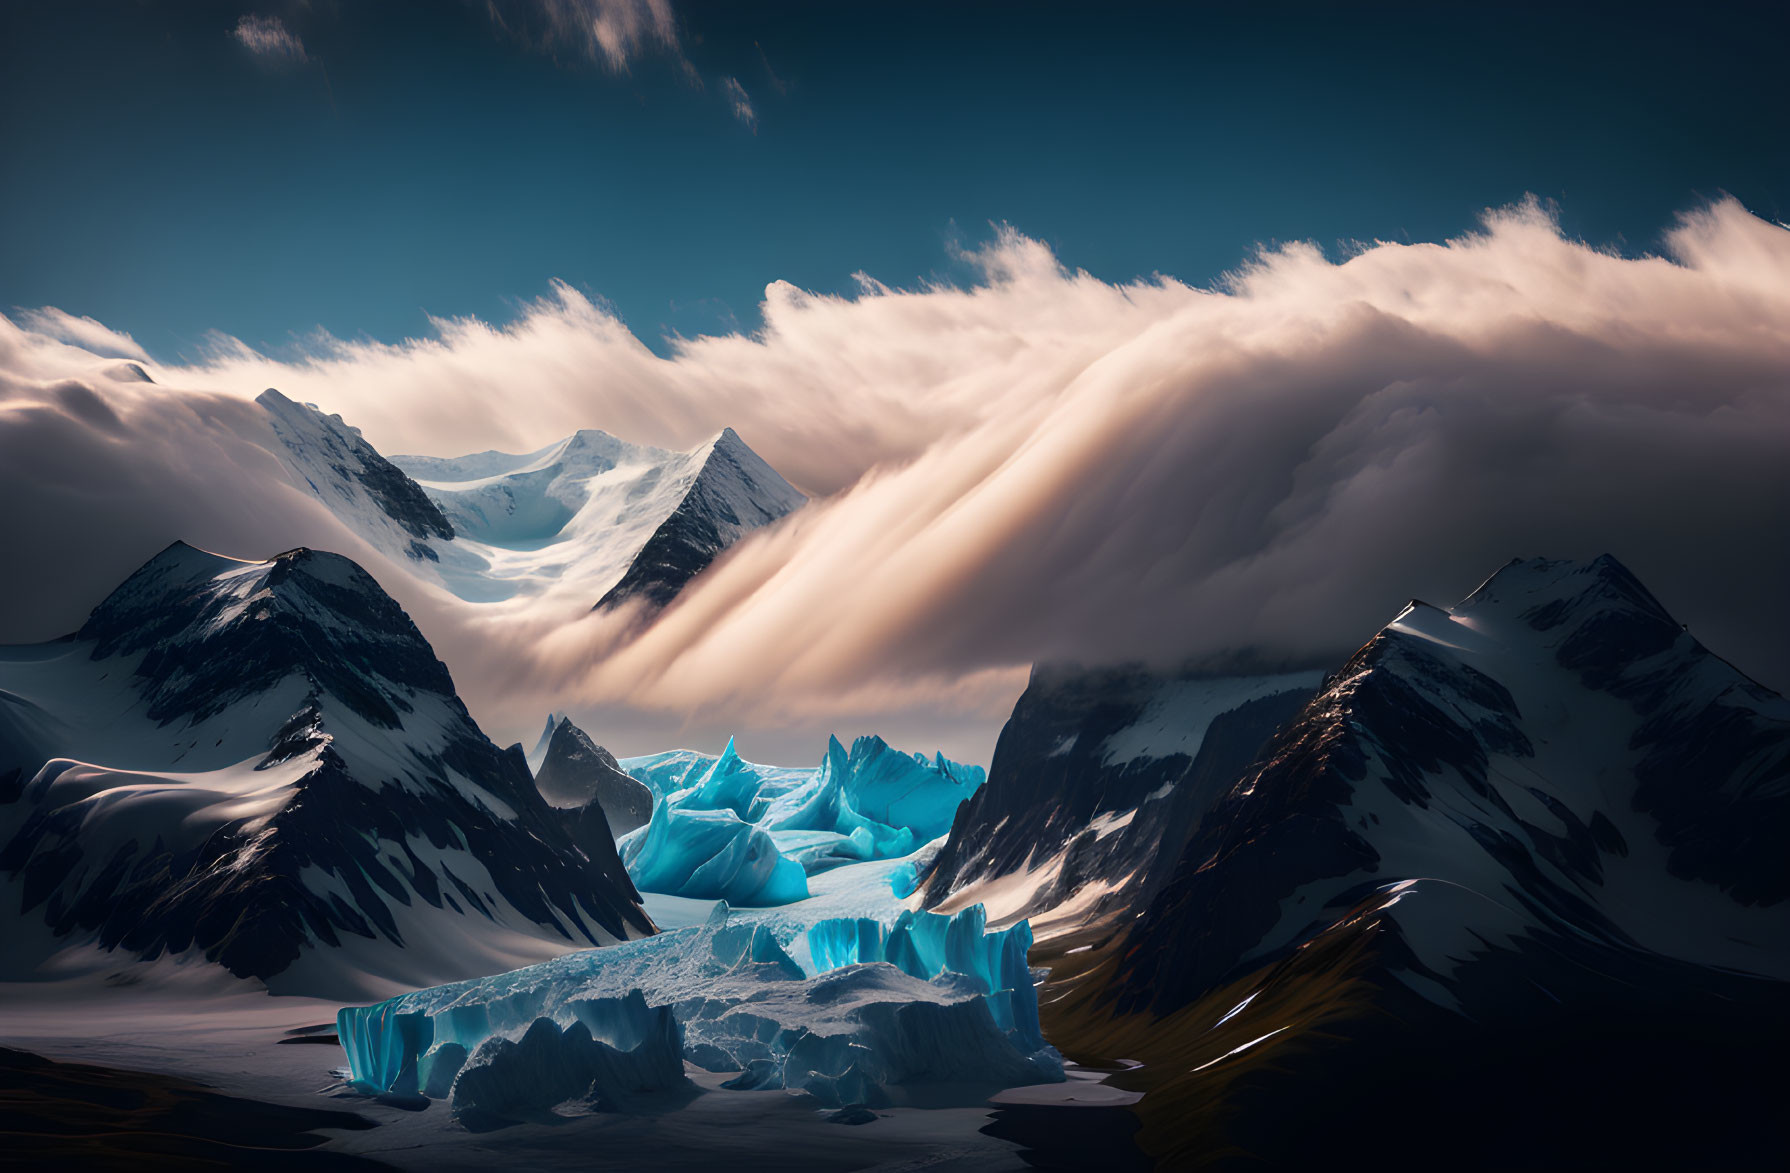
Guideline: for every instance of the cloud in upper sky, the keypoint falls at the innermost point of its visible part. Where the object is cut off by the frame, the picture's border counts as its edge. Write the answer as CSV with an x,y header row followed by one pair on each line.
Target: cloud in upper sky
x,y
739,101
613,33
1041,465
268,38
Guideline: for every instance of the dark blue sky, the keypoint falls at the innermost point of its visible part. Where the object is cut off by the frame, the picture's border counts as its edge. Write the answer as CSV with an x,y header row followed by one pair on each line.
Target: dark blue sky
x,y
161,178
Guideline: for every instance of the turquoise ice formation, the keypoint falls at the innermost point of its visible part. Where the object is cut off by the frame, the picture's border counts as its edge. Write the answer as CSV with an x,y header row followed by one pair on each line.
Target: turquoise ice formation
x,y
726,829
711,855
881,1010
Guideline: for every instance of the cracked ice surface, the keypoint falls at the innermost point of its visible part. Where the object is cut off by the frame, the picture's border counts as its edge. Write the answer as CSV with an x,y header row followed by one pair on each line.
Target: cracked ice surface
x,y
879,1010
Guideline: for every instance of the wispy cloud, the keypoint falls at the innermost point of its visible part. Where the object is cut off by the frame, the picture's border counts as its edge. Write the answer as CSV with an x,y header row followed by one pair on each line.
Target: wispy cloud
x,y
81,332
739,101
613,33
1040,465
268,38
777,83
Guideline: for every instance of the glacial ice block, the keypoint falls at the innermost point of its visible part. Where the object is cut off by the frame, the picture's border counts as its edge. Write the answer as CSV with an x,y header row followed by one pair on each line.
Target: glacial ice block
x,y
718,831
614,1051
925,944
730,785
882,1010
901,790
900,800
711,855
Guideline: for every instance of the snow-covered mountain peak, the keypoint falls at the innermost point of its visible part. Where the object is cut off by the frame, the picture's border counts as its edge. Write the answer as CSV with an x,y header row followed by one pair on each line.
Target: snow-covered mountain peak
x,y
728,442
265,761
212,631
596,445
1537,616
170,578
1555,743
307,415
730,491
535,498
178,565
759,487
1559,595
598,515
362,488
585,453
590,517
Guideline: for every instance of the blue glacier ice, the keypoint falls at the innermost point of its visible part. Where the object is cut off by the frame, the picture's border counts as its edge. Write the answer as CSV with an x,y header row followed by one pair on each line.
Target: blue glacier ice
x,y
904,878
885,791
925,944
724,828
730,784
613,1053
879,1011
676,770
711,855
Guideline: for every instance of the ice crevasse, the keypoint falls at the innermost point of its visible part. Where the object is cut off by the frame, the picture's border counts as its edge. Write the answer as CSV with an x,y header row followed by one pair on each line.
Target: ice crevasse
x,y
752,835
928,1000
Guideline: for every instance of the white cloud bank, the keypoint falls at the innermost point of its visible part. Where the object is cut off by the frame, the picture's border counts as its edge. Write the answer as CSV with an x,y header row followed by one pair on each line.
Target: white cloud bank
x,y
1044,465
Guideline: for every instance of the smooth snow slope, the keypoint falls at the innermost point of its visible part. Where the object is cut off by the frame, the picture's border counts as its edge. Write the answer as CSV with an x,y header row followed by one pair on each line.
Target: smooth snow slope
x,y
263,763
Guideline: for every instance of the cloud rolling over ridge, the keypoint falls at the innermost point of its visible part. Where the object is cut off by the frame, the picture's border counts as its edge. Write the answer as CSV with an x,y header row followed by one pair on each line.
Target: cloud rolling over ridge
x,y
1040,466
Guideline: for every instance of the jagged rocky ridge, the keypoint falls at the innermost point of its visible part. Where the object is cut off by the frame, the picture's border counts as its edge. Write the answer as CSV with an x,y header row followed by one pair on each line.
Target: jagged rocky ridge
x,y
580,779
1097,779
1517,868
1556,744
263,763
359,485
734,492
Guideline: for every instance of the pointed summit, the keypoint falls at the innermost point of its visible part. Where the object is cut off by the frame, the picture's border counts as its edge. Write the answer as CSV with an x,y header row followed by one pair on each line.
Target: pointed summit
x,y
366,491
625,522
260,762
1545,592
734,492
538,754
579,776
730,784
633,523
213,630
1596,615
